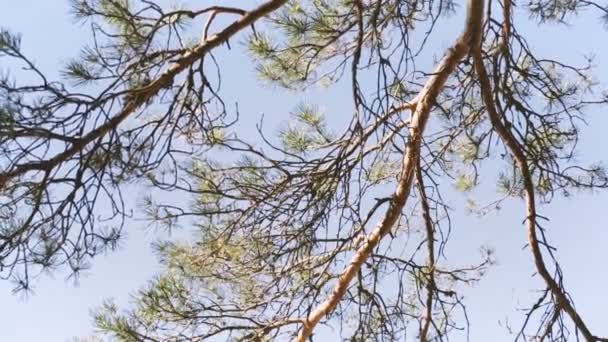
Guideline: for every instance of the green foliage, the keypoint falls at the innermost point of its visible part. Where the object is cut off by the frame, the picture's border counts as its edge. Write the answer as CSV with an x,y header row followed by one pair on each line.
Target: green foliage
x,y
556,10
118,15
311,34
308,134
297,140
10,43
383,171
464,182
276,221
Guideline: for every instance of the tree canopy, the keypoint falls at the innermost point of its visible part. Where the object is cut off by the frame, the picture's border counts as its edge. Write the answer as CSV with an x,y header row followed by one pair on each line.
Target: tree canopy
x,y
343,226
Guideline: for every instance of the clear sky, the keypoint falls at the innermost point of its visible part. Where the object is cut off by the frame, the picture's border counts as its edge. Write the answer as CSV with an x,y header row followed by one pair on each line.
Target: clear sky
x,y
59,310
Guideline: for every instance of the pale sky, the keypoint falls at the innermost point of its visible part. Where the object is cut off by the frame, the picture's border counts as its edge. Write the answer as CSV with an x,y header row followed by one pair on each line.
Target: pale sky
x,y
59,310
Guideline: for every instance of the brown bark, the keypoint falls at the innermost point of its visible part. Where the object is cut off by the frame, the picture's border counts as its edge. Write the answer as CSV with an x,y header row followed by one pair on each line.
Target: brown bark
x,y
146,93
430,244
563,302
425,101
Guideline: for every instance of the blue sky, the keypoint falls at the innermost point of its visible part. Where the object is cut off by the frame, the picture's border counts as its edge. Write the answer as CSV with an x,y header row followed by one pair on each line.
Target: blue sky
x,y
58,309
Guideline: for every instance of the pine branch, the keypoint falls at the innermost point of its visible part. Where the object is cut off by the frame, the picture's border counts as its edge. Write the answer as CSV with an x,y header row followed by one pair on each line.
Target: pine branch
x,y
427,98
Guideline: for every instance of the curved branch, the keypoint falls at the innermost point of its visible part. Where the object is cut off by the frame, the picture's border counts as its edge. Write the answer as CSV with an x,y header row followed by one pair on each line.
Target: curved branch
x,y
146,93
427,98
563,302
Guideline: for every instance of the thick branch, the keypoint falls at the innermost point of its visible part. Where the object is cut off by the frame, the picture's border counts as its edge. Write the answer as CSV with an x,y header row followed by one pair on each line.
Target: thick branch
x,y
426,100
148,92
563,303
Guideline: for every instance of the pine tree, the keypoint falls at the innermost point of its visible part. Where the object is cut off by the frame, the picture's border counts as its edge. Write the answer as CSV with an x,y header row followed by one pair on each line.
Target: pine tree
x,y
315,225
